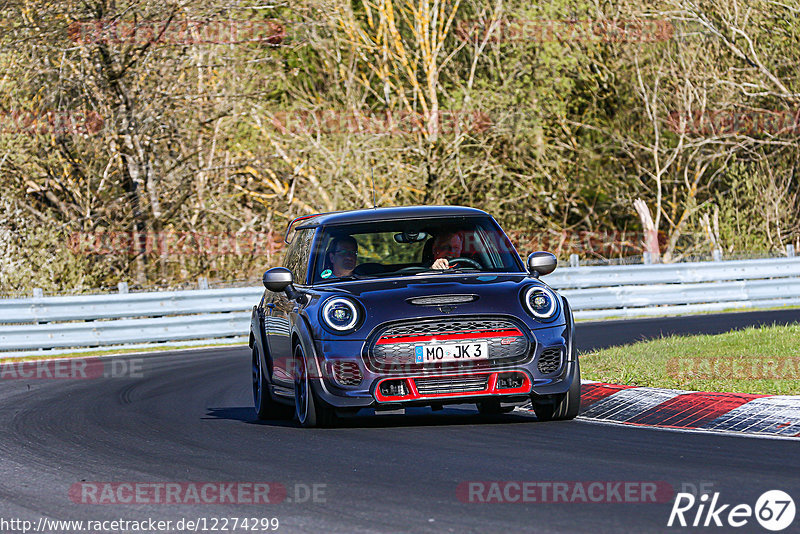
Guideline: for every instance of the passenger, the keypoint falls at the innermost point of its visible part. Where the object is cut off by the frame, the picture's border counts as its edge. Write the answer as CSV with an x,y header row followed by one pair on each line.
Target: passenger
x,y
342,256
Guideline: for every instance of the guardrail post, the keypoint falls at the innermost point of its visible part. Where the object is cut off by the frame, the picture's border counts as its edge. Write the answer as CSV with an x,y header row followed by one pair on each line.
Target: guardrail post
x,y
202,282
717,254
647,258
790,251
38,293
122,287
574,260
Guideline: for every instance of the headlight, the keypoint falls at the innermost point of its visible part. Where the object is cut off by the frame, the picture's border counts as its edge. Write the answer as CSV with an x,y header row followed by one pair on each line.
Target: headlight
x,y
340,314
541,302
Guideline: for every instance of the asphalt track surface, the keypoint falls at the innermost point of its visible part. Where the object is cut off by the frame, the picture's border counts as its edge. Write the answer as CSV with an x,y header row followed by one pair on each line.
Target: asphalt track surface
x,y
189,418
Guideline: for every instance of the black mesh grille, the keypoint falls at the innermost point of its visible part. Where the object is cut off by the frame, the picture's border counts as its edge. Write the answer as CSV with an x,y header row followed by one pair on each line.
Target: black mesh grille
x,y
347,373
446,326
398,356
550,360
451,384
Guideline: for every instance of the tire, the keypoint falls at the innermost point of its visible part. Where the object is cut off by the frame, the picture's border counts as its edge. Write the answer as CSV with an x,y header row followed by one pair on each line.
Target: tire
x,y
266,407
309,410
493,407
565,406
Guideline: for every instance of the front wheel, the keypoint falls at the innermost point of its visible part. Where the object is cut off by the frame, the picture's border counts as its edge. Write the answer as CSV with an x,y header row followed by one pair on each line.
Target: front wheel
x,y
564,406
309,410
266,407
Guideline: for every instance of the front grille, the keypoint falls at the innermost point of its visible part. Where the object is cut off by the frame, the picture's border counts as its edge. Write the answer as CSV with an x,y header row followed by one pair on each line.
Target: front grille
x,y
443,326
451,384
347,373
550,360
392,348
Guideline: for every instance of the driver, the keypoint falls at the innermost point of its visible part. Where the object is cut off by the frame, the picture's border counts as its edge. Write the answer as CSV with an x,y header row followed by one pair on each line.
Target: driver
x,y
446,245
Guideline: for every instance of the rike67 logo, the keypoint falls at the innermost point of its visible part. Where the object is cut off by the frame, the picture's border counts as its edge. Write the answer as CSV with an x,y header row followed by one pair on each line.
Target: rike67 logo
x,y
774,510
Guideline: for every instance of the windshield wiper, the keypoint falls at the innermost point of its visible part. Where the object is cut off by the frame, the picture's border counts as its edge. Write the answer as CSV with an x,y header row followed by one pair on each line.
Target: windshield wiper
x,y
447,271
346,278
424,271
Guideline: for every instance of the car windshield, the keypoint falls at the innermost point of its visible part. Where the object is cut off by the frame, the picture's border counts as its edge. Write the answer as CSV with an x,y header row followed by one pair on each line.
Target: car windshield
x,y
411,247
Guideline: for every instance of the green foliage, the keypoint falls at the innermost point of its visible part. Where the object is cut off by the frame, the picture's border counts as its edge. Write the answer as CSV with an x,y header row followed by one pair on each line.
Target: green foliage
x,y
565,119
762,360
750,208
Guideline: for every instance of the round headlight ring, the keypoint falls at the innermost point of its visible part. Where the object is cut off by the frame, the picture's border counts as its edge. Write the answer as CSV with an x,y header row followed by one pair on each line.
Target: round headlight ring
x,y
335,314
536,293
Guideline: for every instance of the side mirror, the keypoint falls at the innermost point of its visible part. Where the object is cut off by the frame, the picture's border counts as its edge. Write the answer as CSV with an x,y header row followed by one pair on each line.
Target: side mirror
x,y
280,279
277,279
541,263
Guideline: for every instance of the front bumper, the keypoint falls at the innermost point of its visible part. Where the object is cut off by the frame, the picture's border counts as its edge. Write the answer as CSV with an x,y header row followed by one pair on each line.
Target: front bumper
x,y
456,386
367,392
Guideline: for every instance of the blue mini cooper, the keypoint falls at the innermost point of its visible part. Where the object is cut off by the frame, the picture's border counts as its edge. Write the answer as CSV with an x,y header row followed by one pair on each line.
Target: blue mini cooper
x,y
414,306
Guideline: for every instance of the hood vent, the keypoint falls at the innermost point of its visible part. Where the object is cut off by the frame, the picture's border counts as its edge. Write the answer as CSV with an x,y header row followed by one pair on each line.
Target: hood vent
x,y
440,300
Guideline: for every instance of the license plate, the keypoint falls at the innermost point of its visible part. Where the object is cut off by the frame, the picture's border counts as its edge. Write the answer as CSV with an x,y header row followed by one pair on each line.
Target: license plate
x,y
450,352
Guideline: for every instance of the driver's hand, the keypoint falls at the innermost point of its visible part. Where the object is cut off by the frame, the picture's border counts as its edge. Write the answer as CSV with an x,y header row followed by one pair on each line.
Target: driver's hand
x,y
441,263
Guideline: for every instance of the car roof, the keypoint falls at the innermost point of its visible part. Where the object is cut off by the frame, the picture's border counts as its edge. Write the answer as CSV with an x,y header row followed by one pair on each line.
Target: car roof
x,y
383,214
390,214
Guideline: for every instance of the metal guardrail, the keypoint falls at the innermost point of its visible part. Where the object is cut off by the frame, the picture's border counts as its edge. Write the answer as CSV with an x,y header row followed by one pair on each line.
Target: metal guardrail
x,y
594,293
124,331
674,289
116,306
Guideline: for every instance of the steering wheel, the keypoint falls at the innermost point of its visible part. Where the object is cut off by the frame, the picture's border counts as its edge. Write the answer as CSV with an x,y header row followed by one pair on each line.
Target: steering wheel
x,y
411,269
468,261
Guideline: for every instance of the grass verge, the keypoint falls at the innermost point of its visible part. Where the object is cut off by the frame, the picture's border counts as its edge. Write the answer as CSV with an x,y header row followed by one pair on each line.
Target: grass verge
x,y
763,360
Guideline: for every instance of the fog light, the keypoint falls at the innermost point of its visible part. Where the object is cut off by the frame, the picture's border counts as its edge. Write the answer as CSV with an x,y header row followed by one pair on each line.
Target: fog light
x,y
394,388
509,381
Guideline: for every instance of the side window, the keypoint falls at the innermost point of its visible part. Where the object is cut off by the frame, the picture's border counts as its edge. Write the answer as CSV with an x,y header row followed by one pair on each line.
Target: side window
x,y
297,254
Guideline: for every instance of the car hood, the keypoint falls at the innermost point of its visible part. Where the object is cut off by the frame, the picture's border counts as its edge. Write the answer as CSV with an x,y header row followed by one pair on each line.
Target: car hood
x,y
424,283
392,299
